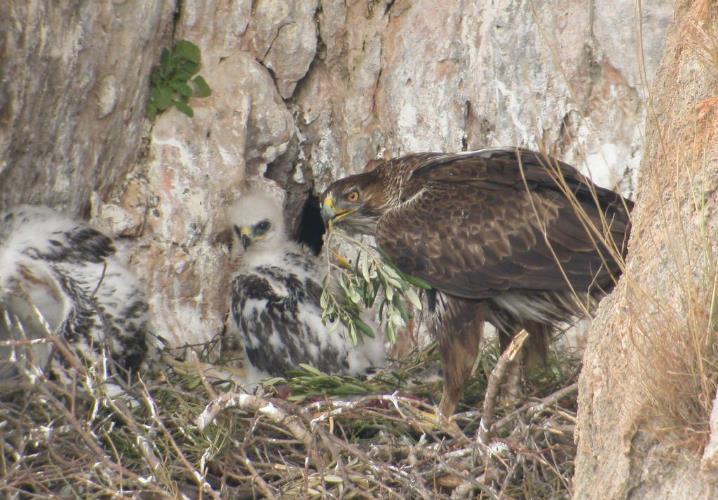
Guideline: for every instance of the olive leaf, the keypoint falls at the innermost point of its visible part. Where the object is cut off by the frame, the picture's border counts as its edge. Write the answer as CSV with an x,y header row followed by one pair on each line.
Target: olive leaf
x,y
370,280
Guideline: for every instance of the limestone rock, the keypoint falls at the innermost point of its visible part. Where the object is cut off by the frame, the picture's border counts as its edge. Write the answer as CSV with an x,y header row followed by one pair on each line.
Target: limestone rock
x,y
285,39
648,383
217,26
73,88
399,77
194,169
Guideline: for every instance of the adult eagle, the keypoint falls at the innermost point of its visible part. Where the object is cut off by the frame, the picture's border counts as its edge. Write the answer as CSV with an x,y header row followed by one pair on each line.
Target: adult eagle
x,y
508,236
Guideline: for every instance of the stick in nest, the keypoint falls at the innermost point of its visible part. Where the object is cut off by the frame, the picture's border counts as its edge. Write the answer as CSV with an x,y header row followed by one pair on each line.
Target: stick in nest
x,y
251,403
496,378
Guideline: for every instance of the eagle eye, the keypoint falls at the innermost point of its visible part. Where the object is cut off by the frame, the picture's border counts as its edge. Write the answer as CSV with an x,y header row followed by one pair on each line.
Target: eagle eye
x,y
352,196
262,227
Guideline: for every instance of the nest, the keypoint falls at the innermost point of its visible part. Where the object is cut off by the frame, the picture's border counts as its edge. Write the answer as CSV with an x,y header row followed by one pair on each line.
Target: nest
x,y
188,431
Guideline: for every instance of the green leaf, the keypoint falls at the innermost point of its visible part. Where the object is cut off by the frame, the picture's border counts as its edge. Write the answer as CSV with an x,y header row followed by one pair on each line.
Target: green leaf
x,y
165,59
396,319
151,111
184,108
389,292
193,383
363,261
188,50
391,273
391,332
201,87
364,328
391,279
369,295
155,77
182,88
162,97
399,305
185,70
418,282
273,381
354,294
311,369
413,298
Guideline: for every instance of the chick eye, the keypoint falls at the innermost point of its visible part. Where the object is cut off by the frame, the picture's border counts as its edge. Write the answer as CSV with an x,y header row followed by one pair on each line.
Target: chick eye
x,y
353,196
262,227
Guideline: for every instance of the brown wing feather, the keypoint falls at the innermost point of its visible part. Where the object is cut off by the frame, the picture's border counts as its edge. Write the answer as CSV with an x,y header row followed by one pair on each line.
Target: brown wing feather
x,y
468,226
511,167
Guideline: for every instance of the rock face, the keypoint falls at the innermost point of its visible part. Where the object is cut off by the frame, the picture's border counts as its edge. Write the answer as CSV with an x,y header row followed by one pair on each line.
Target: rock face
x,y
303,92
464,75
647,391
73,86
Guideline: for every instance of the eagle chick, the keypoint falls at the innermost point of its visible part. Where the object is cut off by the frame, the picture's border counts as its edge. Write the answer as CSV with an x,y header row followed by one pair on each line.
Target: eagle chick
x,y
274,301
60,276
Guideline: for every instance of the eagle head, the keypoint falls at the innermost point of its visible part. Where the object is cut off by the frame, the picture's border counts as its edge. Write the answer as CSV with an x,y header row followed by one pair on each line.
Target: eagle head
x,y
355,203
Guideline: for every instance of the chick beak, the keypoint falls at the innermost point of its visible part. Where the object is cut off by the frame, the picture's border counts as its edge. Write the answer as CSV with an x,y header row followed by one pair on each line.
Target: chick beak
x,y
245,237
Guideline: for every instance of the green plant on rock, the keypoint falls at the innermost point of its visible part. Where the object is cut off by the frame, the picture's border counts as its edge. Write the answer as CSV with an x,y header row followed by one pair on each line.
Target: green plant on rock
x,y
173,81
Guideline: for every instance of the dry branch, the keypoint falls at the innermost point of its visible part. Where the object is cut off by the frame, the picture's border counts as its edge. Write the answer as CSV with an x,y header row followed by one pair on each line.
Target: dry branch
x,y
256,404
495,380
176,434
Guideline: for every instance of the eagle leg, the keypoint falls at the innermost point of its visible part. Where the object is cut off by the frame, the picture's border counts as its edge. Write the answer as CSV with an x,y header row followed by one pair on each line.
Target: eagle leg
x,y
459,339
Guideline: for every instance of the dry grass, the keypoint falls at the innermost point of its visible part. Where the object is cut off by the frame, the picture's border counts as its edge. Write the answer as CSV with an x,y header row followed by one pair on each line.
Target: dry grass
x,y
676,334
675,324
179,432
669,311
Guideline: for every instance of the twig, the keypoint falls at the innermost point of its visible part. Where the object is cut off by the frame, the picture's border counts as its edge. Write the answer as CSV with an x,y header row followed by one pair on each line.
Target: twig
x,y
24,342
198,366
551,399
495,379
85,435
391,471
248,402
206,371
535,407
256,478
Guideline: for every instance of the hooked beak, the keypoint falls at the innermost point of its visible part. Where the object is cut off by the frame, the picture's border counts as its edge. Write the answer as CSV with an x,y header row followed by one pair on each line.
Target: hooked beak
x,y
328,209
330,214
245,237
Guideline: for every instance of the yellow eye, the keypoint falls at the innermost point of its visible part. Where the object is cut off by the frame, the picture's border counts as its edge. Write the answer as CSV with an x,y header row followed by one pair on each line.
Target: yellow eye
x,y
353,196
